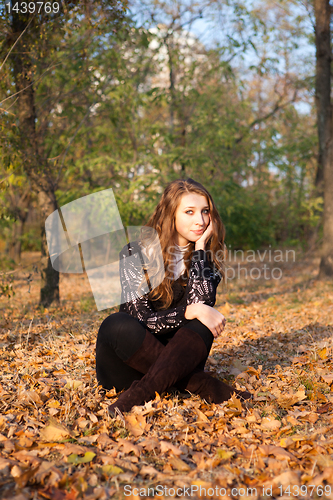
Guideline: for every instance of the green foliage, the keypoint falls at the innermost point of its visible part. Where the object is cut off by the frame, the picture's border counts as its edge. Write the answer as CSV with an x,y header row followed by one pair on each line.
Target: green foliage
x,y
247,217
6,284
88,304
31,240
6,263
108,116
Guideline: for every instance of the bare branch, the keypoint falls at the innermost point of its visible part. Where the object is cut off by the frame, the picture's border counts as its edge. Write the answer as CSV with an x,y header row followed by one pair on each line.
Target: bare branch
x,y
16,42
30,84
276,108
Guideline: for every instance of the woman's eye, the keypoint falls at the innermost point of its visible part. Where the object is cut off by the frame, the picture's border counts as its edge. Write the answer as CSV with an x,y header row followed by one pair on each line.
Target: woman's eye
x,y
206,211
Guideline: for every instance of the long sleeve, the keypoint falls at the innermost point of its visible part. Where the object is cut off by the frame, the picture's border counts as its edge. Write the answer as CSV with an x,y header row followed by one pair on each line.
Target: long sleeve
x,y
203,280
135,300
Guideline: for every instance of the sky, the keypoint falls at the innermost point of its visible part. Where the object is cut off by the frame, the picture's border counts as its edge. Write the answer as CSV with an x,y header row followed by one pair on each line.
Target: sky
x,y
218,29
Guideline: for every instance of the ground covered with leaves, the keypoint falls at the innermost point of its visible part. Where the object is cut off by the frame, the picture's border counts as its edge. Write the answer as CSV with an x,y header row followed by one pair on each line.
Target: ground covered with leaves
x,y
57,440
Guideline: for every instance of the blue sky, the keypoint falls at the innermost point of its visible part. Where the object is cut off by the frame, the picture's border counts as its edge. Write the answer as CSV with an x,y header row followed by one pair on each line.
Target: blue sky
x,y
217,29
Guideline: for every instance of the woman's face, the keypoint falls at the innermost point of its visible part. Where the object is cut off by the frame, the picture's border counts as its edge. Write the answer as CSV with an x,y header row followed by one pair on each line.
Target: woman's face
x,y
191,218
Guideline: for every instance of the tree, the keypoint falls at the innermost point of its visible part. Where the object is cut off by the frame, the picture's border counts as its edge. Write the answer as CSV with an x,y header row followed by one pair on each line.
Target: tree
x,y
34,42
322,11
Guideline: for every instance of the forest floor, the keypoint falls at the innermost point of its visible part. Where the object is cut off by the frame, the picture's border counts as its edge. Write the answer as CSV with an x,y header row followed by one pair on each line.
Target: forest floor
x,y
58,442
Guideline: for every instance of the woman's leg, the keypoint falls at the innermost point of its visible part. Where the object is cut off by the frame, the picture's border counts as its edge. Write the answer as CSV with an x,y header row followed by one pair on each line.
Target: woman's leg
x,y
152,347
126,350
184,352
205,334
202,383
119,338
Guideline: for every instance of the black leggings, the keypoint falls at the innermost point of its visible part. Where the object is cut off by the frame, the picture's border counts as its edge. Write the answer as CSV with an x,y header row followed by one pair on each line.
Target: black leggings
x,y
119,337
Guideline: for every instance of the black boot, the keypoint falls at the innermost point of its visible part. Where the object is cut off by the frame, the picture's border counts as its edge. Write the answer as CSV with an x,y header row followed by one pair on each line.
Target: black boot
x,y
178,358
209,388
147,354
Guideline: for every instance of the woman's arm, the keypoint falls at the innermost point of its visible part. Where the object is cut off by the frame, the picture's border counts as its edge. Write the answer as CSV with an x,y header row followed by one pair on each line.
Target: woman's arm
x,y
208,316
203,280
137,304
201,288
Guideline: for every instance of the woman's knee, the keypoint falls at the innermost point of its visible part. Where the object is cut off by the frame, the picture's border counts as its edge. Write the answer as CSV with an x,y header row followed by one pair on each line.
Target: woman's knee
x,y
202,330
196,325
114,324
122,332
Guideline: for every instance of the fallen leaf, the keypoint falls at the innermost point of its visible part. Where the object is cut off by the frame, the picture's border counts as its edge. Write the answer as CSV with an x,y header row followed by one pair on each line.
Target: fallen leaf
x,y
136,424
30,397
322,353
288,478
73,384
201,416
290,399
148,470
224,454
324,408
53,403
23,478
49,471
324,461
54,432
129,447
237,367
111,470
150,444
166,446
270,424
75,459
178,464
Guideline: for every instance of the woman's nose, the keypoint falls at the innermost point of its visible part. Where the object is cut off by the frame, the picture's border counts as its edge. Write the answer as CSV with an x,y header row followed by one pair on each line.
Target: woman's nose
x,y
200,220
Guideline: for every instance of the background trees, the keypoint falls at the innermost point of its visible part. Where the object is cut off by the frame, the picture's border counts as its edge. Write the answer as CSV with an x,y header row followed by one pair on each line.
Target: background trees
x,y
48,68
222,93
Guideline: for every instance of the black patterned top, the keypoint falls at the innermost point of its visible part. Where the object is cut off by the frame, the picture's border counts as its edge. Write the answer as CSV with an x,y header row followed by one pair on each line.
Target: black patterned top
x,y
200,288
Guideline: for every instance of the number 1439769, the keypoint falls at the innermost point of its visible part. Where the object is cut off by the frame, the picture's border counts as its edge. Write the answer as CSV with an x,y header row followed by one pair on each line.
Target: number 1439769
x,y
32,7
308,490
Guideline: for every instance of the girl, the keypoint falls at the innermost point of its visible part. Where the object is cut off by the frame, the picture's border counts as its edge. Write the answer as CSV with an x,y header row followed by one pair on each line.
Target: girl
x,y
162,339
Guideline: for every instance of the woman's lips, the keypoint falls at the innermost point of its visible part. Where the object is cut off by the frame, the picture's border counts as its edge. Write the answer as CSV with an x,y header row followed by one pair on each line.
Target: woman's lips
x,y
198,232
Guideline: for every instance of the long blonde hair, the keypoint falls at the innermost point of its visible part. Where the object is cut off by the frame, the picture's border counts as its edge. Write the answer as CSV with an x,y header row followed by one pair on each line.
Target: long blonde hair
x,y
163,222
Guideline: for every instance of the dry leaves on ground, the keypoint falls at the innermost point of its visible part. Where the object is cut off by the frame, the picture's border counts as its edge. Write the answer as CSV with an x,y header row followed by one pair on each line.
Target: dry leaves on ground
x,y
57,440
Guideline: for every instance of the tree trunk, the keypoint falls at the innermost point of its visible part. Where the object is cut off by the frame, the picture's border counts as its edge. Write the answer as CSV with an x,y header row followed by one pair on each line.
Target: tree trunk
x,y
34,165
11,243
16,242
20,205
326,263
324,118
323,85
50,278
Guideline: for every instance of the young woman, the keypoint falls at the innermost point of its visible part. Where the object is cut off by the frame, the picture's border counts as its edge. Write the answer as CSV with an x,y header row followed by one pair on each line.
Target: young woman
x,y
162,338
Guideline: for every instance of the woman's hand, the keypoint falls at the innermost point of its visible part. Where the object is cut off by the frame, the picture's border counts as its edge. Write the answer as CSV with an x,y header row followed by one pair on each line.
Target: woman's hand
x,y
201,242
208,316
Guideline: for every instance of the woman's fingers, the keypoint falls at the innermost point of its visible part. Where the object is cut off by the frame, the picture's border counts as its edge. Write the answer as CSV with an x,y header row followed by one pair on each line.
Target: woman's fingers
x,y
215,321
219,328
216,332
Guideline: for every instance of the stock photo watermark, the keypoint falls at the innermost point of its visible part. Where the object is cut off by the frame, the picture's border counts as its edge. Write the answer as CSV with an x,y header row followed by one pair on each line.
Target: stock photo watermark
x,y
239,263
87,235
206,492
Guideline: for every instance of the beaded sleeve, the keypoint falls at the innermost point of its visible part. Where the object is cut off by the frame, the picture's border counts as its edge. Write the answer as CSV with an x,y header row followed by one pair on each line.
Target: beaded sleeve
x,y
203,280
201,287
